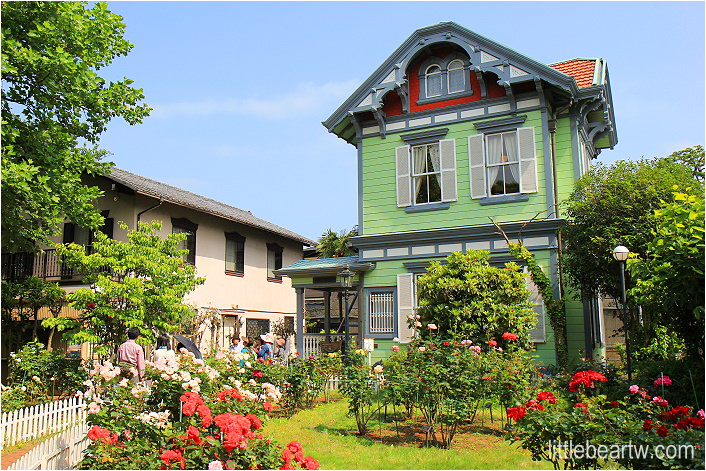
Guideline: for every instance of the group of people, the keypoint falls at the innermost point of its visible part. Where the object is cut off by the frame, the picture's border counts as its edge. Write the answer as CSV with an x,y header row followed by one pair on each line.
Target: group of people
x,y
262,346
131,355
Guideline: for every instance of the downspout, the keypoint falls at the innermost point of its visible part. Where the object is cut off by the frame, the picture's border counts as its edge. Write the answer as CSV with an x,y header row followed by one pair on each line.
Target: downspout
x,y
149,209
551,124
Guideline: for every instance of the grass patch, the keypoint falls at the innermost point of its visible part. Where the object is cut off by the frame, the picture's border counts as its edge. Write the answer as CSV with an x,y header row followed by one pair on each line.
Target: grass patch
x,y
330,436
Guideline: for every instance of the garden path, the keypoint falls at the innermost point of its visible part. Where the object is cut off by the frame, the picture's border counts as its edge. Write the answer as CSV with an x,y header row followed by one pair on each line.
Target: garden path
x,y
9,458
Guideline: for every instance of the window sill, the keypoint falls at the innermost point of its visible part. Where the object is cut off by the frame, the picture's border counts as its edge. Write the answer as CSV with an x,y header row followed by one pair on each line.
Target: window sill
x,y
274,280
504,199
447,97
234,273
426,207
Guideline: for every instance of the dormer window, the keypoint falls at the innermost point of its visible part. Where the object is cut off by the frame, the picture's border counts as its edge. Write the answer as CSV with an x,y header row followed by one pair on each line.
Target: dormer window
x,y
434,79
444,79
457,76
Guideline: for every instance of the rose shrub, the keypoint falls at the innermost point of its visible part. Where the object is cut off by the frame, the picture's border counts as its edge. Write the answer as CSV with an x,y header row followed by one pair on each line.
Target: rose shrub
x,y
187,415
581,415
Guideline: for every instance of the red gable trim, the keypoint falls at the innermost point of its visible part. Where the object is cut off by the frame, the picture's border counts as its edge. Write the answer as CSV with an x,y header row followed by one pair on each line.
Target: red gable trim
x,y
580,69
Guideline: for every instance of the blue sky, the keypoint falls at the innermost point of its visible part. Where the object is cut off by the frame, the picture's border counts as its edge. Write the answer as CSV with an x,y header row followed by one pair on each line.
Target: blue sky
x,y
239,89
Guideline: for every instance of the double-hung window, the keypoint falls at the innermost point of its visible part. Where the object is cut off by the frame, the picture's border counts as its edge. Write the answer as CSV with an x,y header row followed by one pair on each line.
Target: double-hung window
x,y
503,162
184,226
502,165
457,76
274,261
235,253
426,170
426,173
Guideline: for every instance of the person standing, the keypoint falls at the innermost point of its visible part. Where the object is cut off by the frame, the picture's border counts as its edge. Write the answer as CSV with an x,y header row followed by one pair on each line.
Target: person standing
x,y
163,347
131,354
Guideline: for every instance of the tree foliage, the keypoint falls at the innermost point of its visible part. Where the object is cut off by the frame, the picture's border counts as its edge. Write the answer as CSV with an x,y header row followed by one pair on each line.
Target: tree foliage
x,y
614,205
467,298
669,275
138,283
54,108
333,244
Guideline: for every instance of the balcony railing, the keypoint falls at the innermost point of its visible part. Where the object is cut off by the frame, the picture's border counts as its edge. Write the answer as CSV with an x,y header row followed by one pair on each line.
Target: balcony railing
x,y
45,265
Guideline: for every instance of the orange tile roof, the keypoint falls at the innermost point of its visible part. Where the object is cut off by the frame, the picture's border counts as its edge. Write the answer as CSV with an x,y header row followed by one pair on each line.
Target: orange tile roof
x,y
580,69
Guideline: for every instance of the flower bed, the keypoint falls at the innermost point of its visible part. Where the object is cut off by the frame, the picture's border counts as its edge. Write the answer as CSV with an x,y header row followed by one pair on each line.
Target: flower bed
x,y
187,415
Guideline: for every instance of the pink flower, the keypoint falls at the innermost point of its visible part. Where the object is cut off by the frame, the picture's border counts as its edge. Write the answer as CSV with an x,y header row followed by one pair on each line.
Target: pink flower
x,y
634,388
432,326
660,401
215,465
396,339
93,408
663,380
422,349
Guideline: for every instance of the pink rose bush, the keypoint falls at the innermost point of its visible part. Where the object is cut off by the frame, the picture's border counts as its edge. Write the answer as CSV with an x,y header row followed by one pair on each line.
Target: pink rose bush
x,y
188,414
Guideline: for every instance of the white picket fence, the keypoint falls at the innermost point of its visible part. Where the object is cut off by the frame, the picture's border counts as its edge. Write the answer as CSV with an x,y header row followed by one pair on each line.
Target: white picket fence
x,y
32,422
61,451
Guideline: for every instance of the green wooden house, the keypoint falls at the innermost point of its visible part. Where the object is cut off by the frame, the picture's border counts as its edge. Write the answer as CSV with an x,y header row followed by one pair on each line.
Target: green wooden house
x,y
451,130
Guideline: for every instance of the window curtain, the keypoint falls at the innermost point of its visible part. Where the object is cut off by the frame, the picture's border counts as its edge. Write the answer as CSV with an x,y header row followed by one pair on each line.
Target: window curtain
x,y
494,157
433,81
457,82
510,147
419,167
433,165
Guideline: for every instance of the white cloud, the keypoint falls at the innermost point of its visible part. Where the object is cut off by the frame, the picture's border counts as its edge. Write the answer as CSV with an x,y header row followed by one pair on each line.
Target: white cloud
x,y
305,99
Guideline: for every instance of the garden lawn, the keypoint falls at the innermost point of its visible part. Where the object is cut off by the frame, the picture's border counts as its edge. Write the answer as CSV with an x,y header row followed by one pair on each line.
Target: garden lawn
x,y
328,435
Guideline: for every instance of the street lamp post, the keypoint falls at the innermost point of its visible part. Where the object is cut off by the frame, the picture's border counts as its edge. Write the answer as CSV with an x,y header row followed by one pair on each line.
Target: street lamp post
x,y
621,253
346,282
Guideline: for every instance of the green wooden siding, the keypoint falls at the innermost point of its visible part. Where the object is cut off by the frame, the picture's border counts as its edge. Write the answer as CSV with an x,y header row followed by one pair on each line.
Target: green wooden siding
x,y
380,211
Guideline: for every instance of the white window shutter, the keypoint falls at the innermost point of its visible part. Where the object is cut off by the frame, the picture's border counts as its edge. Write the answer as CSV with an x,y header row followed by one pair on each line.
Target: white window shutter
x,y
405,305
528,160
447,152
476,156
538,334
403,171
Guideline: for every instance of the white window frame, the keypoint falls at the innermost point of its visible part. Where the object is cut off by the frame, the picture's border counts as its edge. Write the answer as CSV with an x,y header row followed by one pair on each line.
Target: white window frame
x,y
452,69
426,181
503,164
436,76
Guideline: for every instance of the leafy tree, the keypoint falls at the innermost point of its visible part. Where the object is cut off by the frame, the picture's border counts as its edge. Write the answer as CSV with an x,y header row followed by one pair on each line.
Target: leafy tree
x,y
693,158
138,283
669,275
467,298
614,205
54,107
332,244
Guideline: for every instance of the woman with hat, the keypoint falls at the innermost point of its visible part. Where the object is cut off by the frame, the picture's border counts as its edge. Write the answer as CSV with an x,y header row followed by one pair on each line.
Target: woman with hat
x,y
265,351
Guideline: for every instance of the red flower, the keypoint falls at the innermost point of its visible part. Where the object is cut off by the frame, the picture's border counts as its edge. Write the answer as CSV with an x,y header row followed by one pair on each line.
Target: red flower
x,y
647,425
311,463
487,377
614,403
532,404
395,348
582,404
493,343
287,456
662,431
546,396
90,305
230,392
294,446
516,413
268,407
586,378
257,373
254,421
170,455
509,336
103,435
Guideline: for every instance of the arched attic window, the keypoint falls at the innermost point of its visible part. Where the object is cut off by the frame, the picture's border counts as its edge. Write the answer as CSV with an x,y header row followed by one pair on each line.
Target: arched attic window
x,y
433,81
447,78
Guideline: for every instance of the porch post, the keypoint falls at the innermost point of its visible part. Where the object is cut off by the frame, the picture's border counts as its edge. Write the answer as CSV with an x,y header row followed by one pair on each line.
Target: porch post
x,y
300,320
327,314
